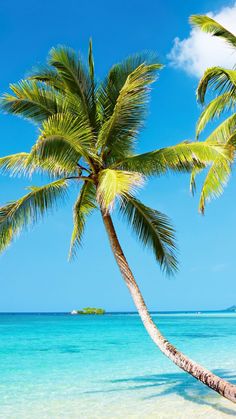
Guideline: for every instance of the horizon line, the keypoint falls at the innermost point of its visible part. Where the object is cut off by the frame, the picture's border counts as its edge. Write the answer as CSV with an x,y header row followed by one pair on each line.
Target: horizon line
x,y
117,312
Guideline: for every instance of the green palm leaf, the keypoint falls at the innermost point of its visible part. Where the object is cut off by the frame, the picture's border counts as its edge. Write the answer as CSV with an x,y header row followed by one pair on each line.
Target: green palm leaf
x,y
209,25
194,173
223,81
47,75
224,131
16,164
216,178
153,229
64,140
73,73
94,119
119,131
182,157
32,100
84,205
25,164
115,184
57,150
75,131
217,175
110,88
217,78
91,61
28,209
214,109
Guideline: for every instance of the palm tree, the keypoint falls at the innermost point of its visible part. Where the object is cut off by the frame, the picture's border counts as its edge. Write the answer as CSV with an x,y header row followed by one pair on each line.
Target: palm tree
x,y
87,134
223,82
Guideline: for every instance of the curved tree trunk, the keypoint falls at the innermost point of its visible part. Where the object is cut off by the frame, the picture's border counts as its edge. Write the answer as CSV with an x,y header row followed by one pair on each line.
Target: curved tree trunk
x,y
216,383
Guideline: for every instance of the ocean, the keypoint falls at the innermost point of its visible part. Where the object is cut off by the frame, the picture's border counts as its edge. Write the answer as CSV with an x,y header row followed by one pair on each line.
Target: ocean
x,y
62,366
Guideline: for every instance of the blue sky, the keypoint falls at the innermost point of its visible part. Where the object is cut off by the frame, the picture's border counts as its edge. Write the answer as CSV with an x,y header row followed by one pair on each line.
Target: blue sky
x,y
34,272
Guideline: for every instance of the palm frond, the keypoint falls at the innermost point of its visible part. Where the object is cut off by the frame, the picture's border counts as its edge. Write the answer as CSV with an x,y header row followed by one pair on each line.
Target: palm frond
x,y
115,184
110,88
32,100
182,157
47,75
224,82
153,229
215,181
28,209
26,164
91,61
94,118
194,173
73,73
77,78
58,151
16,164
214,109
119,131
74,130
218,173
84,205
64,140
209,25
54,156
223,132
217,78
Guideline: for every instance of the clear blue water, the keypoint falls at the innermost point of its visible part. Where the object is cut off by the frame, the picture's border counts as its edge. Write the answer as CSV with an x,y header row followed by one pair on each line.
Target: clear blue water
x,y
62,366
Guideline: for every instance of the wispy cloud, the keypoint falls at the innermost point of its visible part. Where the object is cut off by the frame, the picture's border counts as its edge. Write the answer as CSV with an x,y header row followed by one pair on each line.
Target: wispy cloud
x,y
218,267
200,50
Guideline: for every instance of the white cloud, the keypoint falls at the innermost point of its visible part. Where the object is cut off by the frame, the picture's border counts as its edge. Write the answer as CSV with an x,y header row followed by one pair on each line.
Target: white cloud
x,y
200,50
219,267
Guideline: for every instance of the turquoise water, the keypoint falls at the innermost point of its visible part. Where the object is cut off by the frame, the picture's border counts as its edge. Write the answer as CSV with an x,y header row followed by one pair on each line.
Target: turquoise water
x,y
62,366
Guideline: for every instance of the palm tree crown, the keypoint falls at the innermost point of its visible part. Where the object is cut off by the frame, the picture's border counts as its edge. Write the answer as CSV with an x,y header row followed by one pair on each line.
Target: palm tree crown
x,y
223,82
87,136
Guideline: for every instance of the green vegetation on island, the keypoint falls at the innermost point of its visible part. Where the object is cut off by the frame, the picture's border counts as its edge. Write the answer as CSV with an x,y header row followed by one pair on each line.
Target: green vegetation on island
x,y
89,310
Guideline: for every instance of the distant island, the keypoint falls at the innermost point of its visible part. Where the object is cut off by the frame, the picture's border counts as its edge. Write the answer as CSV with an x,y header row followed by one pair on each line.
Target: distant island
x,y
231,309
89,310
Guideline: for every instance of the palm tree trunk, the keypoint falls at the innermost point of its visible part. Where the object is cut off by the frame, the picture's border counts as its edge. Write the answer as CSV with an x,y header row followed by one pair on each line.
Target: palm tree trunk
x,y
216,383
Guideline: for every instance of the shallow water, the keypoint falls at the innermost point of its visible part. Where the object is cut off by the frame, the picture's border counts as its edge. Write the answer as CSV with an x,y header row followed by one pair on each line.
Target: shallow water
x,y
62,366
